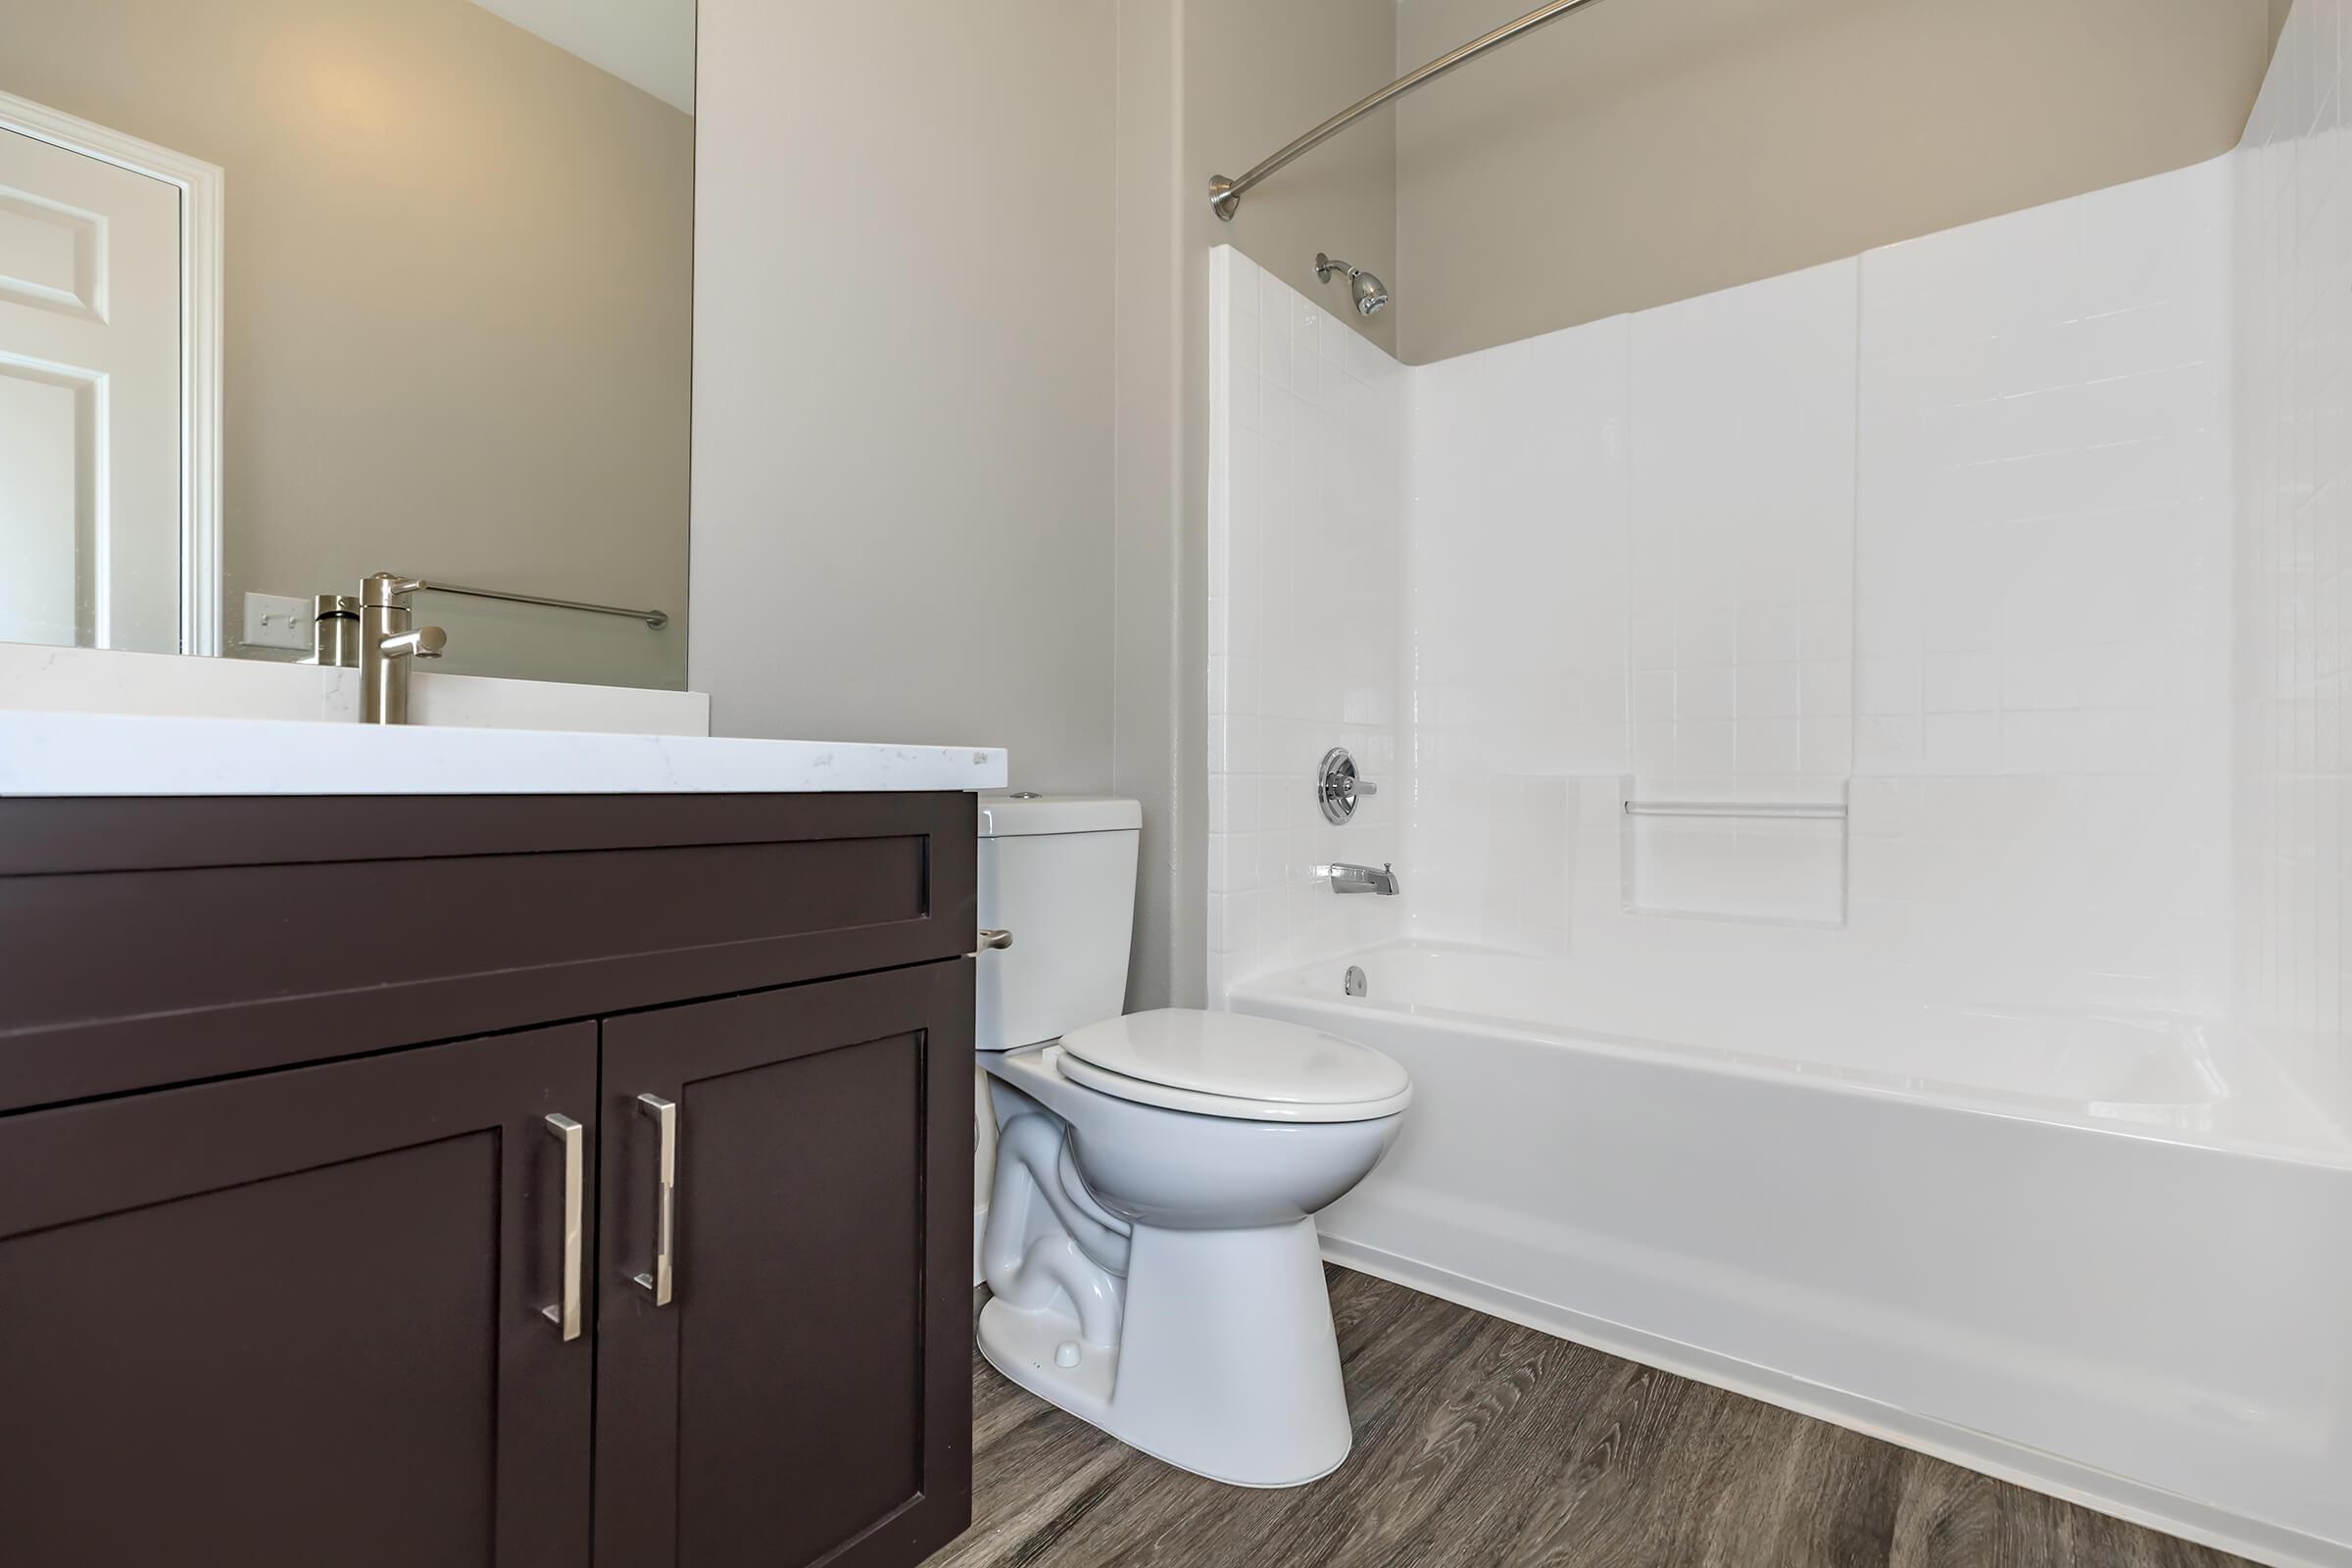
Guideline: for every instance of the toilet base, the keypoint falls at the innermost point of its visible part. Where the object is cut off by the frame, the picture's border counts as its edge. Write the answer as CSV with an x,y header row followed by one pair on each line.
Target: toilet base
x,y
1226,1364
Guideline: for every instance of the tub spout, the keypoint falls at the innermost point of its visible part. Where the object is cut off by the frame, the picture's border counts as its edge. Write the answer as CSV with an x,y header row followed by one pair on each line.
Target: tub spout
x,y
1346,878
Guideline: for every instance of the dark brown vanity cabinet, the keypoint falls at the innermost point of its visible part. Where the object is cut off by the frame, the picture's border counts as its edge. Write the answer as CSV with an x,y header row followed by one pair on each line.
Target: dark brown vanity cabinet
x,y
805,1126
296,1317
648,1250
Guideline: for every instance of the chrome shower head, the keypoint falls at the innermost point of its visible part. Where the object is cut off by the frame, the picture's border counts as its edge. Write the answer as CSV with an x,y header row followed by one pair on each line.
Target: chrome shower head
x,y
1369,292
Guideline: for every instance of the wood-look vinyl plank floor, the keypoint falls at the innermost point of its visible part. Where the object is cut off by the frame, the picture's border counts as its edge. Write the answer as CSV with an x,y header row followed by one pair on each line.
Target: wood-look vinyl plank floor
x,y
1480,1444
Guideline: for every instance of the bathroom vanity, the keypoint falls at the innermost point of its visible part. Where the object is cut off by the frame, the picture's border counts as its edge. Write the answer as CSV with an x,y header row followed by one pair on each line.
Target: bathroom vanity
x,y
440,1146
490,1178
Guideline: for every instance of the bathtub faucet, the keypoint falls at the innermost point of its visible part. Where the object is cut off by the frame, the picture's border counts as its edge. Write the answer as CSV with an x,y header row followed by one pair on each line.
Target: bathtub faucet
x,y
1361,879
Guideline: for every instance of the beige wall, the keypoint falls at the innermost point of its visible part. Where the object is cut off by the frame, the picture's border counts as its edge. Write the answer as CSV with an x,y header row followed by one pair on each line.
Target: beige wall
x,y
951,449
1254,77
903,376
459,280
1641,153
1158,649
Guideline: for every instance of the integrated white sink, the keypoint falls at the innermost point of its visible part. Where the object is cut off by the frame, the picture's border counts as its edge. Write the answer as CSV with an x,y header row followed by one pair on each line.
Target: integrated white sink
x,y
108,754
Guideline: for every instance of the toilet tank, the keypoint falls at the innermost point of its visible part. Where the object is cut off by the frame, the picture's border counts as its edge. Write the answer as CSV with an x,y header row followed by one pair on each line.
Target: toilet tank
x,y
1058,872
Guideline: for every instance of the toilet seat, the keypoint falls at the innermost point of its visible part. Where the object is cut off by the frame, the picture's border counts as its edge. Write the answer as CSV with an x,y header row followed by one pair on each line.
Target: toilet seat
x,y
1234,1066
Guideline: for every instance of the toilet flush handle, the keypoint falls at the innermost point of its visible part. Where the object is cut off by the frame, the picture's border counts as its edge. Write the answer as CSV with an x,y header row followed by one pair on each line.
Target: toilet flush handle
x,y
993,939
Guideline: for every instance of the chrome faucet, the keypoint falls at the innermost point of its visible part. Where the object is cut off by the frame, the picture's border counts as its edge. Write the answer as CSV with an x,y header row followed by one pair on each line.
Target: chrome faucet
x,y
1361,879
389,639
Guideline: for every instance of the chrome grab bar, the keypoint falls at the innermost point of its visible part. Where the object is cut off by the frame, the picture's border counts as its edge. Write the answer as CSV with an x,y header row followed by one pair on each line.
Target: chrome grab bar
x,y
1225,195
1802,810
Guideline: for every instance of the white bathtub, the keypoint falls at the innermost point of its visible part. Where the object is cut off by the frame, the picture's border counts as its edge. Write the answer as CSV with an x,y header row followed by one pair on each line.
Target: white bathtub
x,y
2071,1248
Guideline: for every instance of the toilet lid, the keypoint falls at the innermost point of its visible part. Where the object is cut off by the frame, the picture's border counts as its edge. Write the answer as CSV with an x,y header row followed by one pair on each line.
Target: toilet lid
x,y
1256,1068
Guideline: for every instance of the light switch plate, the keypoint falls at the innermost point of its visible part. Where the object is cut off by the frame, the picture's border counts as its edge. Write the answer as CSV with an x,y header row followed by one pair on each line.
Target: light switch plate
x,y
276,620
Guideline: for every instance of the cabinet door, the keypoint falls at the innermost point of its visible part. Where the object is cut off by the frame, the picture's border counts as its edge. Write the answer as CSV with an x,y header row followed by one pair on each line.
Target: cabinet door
x,y
806,1392
297,1317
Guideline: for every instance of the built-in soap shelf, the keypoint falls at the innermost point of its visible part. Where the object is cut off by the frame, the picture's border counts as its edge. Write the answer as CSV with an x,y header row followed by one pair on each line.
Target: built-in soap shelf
x,y
1704,856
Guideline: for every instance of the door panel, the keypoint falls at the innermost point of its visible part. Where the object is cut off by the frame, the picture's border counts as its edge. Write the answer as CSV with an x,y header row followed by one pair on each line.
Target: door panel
x,y
805,1393
843,1273
89,401
297,1317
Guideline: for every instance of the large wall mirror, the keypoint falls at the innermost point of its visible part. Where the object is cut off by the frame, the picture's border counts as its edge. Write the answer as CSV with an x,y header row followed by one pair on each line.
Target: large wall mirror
x,y
293,292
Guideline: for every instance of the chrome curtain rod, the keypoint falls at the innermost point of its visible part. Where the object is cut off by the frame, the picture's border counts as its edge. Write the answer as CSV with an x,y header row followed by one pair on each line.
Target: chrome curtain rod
x,y
656,618
1225,195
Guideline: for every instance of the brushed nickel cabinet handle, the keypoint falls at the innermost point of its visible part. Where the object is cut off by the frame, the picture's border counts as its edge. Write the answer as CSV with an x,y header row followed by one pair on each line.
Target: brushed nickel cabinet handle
x,y
994,939
567,1314
665,1113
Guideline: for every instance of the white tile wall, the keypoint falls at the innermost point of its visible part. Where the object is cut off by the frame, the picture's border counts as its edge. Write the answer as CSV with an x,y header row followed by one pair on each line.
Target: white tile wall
x,y
2035,537
2292,403
1956,507
1306,614
2042,571
1516,627
1741,516
1743,527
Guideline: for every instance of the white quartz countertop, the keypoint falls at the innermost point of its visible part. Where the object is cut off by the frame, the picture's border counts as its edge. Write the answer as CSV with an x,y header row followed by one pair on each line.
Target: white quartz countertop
x,y
107,753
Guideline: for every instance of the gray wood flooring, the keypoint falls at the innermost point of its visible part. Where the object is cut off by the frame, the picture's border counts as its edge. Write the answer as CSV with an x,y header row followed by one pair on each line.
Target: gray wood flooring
x,y
1484,1444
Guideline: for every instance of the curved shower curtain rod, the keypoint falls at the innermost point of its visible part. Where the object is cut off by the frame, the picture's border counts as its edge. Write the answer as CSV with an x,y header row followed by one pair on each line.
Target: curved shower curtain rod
x,y
1225,195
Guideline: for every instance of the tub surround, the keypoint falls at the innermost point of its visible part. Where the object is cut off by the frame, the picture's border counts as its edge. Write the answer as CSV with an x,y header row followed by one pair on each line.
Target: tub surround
x,y
1949,521
2004,1107
2293,470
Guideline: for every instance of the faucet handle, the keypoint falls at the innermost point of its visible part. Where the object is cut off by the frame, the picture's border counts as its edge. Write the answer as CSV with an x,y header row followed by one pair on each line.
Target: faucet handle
x,y
383,591
1338,786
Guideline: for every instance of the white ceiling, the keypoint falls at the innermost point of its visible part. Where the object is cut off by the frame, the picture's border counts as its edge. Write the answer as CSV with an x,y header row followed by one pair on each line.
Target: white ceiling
x,y
646,43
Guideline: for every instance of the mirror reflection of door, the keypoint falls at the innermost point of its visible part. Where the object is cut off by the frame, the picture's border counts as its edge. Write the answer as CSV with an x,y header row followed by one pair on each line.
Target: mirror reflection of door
x,y
90,401
459,344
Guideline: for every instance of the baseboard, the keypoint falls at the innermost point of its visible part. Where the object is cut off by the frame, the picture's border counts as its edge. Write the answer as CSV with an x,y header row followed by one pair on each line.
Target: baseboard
x,y
1981,1452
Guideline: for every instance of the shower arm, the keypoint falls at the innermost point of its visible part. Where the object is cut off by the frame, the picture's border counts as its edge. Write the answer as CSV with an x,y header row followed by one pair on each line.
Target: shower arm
x,y
1225,195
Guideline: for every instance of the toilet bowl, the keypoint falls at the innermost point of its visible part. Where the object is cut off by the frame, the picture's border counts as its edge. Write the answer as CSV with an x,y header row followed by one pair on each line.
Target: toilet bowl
x,y
1155,1270
1150,1245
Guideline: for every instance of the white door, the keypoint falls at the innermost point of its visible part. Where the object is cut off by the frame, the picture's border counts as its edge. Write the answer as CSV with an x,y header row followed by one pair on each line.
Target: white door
x,y
91,411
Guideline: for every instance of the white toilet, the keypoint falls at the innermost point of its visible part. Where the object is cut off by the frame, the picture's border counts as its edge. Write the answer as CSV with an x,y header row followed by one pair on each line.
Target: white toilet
x,y
1150,1241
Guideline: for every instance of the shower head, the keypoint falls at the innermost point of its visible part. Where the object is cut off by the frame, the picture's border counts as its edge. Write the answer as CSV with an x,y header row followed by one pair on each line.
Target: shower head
x,y
1369,292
